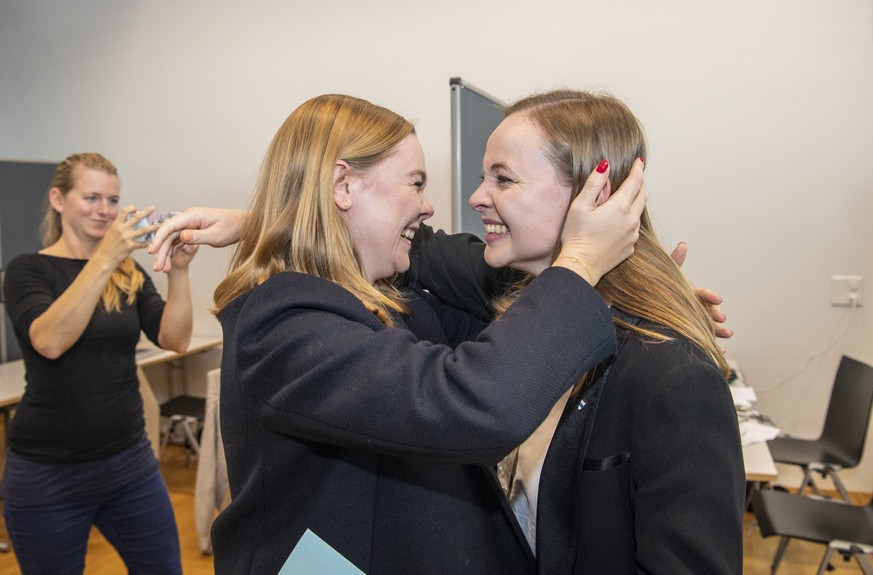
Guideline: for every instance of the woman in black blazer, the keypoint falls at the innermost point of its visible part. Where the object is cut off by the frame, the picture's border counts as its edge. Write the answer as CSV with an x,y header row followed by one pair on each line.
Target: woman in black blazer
x,y
638,468
345,408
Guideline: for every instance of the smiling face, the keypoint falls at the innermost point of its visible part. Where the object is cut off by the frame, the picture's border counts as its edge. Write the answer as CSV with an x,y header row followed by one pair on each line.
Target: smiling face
x,y
521,199
90,206
386,205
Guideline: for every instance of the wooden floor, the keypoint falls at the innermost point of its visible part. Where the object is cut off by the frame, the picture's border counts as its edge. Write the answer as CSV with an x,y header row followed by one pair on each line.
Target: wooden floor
x,y
800,559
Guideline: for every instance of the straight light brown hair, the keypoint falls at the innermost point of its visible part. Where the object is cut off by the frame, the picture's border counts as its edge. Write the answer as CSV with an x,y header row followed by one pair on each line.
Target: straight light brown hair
x,y
294,224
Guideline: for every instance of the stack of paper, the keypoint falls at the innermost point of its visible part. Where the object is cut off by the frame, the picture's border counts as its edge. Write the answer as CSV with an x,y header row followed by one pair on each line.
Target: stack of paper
x,y
743,396
756,432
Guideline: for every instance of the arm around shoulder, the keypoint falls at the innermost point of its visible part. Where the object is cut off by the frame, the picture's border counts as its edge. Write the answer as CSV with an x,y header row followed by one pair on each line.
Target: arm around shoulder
x,y
309,356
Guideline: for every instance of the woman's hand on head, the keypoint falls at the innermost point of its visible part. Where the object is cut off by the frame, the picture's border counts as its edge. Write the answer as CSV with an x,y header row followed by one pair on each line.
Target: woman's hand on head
x,y
216,227
602,227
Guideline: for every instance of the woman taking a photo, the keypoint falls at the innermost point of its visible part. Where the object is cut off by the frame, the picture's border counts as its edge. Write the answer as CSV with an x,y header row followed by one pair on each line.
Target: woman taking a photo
x,y
78,453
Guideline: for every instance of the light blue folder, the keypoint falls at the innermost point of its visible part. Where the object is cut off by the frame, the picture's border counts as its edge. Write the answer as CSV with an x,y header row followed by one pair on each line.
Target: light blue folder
x,y
312,556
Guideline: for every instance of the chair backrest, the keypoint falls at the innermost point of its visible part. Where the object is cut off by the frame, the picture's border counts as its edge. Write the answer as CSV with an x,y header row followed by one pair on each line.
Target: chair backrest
x,y
849,409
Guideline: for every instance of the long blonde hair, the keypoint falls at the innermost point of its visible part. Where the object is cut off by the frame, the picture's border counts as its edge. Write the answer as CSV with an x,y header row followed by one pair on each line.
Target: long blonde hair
x,y
294,224
126,279
580,129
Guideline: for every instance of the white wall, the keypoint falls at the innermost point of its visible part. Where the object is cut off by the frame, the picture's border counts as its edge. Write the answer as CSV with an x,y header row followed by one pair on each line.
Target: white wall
x,y
759,115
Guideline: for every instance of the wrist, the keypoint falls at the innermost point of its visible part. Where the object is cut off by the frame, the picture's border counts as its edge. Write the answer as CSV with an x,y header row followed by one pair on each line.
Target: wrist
x,y
178,270
105,262
578,265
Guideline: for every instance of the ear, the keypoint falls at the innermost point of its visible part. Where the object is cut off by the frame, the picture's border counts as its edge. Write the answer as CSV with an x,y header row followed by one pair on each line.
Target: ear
x,y
341,177
56,200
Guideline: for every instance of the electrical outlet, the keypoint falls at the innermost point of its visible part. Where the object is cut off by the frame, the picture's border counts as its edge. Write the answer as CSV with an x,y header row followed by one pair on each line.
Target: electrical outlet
x,y
847,291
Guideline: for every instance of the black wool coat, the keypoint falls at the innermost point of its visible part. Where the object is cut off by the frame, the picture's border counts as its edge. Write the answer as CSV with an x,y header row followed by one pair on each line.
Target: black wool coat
x,y
380,441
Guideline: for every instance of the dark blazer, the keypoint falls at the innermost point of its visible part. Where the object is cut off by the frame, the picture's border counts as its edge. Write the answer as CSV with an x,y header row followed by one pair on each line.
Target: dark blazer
x,y
379,442
648,476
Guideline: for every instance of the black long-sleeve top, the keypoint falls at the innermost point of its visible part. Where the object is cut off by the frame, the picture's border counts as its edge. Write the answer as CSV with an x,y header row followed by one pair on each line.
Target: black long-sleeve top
x,y
86,404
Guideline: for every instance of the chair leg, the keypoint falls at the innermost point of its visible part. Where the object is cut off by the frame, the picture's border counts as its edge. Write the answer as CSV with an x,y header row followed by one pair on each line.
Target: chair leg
x,y
839,485
807,481
193,443
166,436
864,563
783,543
825,561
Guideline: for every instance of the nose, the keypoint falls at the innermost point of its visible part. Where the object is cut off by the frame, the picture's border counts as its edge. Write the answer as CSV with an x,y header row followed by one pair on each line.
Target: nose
x,y
426,208
480,199
103,206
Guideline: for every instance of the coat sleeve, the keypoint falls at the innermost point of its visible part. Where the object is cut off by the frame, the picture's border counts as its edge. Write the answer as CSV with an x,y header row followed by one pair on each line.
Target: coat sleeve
x,y
688,475
453,268
324,370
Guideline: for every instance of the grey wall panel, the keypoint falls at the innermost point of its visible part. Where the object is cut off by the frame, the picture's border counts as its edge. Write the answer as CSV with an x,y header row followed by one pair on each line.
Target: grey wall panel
x,y
23,189
475,114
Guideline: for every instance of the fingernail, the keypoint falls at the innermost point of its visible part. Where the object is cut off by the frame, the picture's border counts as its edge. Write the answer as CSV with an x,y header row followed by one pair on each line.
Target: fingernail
x,y
601,167
642,159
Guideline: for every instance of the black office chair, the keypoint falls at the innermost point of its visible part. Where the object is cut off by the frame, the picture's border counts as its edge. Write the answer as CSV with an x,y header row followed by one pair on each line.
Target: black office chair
x,y
185,412
844,528
841,443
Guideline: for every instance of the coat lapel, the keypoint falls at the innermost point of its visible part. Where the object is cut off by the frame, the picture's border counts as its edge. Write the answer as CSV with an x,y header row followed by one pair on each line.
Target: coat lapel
x,y
559,508
562,474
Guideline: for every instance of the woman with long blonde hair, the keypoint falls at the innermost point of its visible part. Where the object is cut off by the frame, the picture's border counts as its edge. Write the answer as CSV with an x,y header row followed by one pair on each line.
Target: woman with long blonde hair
x,y
639,467
345,414
78,453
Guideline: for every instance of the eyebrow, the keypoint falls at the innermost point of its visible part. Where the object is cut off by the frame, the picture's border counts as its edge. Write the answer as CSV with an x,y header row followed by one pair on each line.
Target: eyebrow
x,y
498,166
420,173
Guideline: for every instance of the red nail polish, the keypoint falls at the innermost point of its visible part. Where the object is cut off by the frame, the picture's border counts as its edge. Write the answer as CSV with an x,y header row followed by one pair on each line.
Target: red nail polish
x,y
642,159
601,167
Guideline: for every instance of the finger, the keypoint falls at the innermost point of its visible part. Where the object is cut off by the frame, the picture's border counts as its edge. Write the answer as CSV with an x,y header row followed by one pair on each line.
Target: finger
x,y
709,296
163,254
125,213
724,332
133,217
595,185
639,203
679,253
145,230
633,186
198,237
716,314
169,228
604,194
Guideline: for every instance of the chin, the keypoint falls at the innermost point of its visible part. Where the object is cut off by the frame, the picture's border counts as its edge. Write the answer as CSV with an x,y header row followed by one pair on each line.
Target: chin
x,y
402,268
495,260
